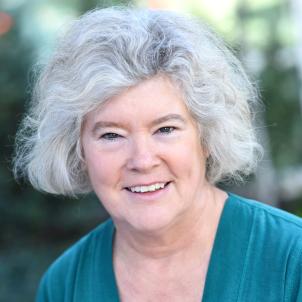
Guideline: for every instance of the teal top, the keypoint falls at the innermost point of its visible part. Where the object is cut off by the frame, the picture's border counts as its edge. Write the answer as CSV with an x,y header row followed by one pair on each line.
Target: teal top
x,y
257,256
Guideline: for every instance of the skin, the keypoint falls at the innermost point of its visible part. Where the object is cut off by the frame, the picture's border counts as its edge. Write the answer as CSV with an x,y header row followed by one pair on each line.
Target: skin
x,y
143,136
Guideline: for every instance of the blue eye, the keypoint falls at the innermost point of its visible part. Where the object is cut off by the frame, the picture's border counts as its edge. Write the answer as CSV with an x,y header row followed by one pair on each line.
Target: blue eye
x,y
166,130
110,136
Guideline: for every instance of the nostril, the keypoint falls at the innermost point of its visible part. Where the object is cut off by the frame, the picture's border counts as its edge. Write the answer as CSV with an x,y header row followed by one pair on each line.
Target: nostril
x,y
142,158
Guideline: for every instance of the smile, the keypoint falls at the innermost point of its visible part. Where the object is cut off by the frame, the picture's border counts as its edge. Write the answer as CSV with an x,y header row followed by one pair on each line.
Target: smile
x,y
150,188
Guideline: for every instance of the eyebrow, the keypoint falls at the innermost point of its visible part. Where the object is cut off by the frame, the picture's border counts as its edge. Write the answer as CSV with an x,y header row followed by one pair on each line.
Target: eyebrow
x,y
110,124
168,117
104,124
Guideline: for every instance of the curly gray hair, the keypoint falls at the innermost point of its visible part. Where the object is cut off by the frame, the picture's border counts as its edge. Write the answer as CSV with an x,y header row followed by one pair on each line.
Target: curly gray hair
x,y
108,50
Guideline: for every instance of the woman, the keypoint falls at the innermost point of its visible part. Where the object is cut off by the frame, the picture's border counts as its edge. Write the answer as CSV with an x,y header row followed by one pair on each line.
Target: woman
x,y
150,110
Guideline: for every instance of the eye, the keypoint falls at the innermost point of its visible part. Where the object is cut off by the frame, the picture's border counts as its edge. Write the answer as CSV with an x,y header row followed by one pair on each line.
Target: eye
x,y
166,130
110,136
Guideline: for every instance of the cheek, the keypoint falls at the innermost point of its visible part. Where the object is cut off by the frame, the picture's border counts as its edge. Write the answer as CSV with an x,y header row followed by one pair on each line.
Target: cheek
x,y
188,158
101,168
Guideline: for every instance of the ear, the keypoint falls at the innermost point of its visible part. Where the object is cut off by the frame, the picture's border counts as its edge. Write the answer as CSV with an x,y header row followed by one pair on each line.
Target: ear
x,y
81,154
83,166
206,153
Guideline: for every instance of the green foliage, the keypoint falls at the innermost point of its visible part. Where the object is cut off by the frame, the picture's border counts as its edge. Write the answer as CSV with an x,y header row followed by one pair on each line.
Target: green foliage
x,y
90,4
280,94
279,82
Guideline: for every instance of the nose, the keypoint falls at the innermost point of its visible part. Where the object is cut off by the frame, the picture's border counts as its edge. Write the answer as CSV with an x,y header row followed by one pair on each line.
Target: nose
x,y
143,156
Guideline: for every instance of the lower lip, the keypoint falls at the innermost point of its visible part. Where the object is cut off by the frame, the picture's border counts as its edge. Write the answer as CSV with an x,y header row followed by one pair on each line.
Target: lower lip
x,y
150,195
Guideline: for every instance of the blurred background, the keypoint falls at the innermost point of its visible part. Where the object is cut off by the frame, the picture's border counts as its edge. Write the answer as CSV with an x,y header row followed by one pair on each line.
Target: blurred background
x,y
36,228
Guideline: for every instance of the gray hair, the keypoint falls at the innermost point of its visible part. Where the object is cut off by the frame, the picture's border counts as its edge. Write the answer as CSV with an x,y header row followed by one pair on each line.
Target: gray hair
x,y
108,50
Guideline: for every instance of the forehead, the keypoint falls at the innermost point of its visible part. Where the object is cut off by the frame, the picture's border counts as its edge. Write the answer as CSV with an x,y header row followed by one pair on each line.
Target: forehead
x,y
148,100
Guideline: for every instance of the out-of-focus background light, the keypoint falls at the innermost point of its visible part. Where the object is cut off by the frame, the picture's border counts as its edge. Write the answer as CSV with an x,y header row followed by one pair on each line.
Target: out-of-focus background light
x,y
6,22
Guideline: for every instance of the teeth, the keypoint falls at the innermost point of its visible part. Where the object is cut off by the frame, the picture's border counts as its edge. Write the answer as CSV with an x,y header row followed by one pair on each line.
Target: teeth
x,y
151,188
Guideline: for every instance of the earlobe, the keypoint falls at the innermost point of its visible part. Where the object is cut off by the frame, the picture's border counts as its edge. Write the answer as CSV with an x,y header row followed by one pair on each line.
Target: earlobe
x,y
206,153
81,154
83,165
83,161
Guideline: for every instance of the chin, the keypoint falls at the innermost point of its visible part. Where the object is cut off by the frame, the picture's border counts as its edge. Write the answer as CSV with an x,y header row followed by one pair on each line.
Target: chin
x,y
152,223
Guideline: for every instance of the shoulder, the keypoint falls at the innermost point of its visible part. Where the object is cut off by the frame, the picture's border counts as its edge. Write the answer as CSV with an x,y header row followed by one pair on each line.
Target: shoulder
x,y
85,247
274,245
267,215
62,276
269,230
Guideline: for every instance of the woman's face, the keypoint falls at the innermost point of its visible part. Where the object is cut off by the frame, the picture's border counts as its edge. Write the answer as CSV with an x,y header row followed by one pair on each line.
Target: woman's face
x,y
144,158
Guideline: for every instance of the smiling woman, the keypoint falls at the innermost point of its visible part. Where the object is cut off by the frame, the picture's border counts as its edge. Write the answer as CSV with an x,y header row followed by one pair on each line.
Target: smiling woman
x,y
145,138
149,110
